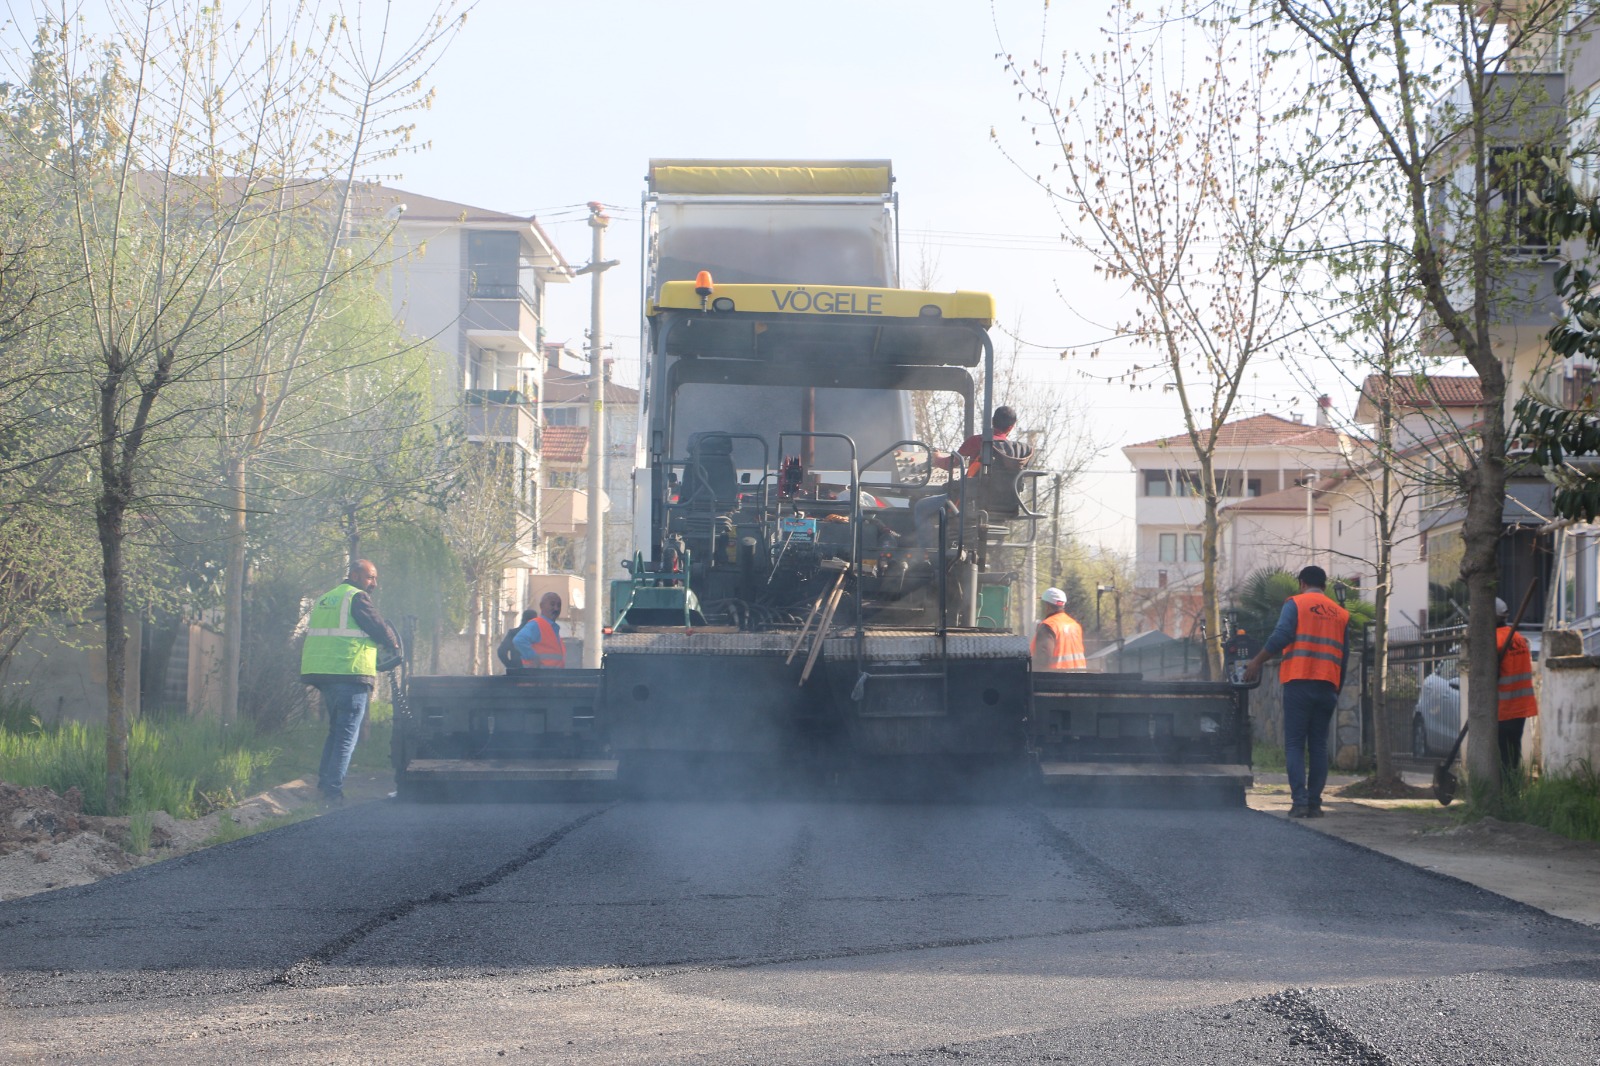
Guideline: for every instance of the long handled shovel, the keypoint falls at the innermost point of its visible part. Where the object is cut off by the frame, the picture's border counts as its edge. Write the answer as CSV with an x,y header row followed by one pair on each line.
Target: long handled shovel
x,y
1444,780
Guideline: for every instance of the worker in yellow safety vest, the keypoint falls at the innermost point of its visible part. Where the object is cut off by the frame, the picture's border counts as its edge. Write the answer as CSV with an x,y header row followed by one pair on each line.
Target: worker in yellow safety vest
x,y
340,660
1517,701
1058,640
539,640
1311,633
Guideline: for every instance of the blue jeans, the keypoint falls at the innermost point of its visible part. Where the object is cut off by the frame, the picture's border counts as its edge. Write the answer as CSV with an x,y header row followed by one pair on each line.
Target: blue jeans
x,y
346,704
1307,714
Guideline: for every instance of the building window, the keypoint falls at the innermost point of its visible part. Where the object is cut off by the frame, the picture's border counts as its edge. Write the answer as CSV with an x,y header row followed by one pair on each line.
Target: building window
x,y
560,416
563,479
1186,484
1156,483
497,269
1192,543
1252,487
1167,548
1514,173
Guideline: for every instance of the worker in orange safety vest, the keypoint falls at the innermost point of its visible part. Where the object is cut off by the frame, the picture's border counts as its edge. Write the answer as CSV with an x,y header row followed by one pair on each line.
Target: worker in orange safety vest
x,y
1058,640
1517,701
1312,635
539,641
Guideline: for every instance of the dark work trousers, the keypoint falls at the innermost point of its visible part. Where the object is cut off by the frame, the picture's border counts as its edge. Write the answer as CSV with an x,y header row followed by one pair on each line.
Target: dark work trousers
x,y
1511,744
1307,714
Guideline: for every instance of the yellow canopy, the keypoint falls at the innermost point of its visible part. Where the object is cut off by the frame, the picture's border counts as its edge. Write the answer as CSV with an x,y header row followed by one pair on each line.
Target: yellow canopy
x,y
861,177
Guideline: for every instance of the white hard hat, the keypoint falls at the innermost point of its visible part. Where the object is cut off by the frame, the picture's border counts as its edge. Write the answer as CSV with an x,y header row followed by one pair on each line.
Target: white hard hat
x,y
1499,607
1055,596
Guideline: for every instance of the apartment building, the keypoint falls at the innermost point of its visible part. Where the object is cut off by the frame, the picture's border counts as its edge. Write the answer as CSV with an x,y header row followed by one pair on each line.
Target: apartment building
x,y
474,282
1264,460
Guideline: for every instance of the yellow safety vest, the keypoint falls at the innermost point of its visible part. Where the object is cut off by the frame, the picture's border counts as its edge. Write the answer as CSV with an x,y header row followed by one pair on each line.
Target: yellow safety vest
x,y
334,643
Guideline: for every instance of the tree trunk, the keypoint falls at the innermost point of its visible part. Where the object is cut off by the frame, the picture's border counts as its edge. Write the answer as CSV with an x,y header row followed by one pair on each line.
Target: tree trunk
x,y
1211,614
108,521
233,591
474,614
1480,567
352,536
1382,741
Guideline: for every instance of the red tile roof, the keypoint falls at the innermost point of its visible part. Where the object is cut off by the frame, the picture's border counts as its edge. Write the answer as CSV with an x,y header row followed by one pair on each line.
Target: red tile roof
x,y
1257,431
1419,392
565,444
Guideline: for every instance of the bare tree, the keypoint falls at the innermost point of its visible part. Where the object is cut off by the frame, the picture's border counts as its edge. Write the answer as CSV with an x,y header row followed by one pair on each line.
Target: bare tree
x,y
1443,103
485,524
155,114
1158,173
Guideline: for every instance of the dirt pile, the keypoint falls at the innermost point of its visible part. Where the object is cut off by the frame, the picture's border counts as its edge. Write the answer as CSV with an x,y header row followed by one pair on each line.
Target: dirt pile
x,y
46,841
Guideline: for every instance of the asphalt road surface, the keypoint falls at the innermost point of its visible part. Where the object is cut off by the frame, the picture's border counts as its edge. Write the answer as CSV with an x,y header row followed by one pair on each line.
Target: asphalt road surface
x,y
792,933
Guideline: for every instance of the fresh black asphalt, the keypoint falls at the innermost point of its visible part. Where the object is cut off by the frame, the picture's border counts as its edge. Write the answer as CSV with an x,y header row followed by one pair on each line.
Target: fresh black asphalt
x,y
792,932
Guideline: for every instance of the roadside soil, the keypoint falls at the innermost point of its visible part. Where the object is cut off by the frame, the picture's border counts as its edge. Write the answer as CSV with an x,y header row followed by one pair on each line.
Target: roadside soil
x,y
47,842
1512,859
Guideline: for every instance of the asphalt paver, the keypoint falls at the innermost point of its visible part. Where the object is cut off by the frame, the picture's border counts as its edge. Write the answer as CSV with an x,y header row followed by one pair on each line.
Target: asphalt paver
x,y
723,932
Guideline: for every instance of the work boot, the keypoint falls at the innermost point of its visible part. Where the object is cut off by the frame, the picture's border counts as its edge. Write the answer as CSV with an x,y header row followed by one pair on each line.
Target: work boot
x,y
1298,811
1314,811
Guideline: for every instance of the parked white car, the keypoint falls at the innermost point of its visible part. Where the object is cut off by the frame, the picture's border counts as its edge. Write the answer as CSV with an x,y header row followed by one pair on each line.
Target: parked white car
x,y
1437,719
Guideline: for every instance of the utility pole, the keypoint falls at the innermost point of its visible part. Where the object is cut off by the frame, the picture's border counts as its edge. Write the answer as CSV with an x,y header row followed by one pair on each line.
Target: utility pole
x,y
595,591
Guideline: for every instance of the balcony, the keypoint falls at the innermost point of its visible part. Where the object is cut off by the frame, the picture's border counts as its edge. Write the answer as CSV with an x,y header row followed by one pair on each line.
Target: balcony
x,y
563,512
501,318
501,415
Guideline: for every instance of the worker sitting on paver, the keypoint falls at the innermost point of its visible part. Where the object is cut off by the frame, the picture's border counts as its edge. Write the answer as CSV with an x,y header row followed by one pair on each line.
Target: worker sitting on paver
x,y
1058,640
1312,634
1013,455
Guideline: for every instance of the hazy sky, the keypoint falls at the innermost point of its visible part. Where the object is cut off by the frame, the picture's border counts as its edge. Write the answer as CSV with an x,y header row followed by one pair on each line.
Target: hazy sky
x,y
544,106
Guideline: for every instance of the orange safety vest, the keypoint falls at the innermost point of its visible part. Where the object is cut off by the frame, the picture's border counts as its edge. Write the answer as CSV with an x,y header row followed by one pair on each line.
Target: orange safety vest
x,y
552,655
1068,642
1317,649
1516,677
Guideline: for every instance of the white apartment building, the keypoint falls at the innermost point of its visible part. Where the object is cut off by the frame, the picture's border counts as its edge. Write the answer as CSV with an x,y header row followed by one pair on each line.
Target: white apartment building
x,y
1264,459
473,282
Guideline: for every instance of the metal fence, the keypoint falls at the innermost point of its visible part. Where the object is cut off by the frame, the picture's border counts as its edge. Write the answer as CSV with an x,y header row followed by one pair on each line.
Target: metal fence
x,y
1421,701
1170,661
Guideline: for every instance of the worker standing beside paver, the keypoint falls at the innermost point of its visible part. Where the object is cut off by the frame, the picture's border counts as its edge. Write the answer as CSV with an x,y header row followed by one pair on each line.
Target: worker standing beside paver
x,y
1312,633
340,659
539,640
1058,640
1517,701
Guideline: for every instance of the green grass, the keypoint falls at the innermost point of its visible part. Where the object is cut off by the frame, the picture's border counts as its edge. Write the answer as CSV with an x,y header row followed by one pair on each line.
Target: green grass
x,y
17,715
1267,758
175,765
1565,803
139,826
